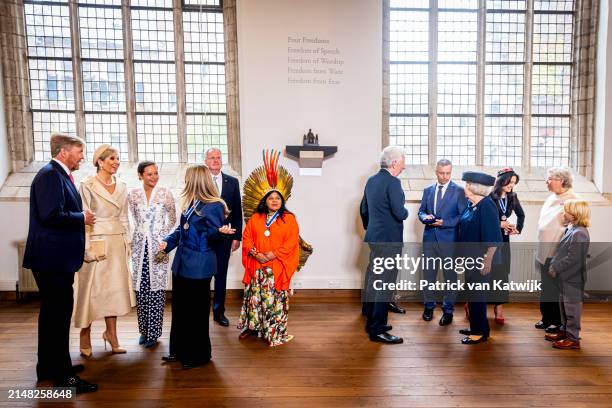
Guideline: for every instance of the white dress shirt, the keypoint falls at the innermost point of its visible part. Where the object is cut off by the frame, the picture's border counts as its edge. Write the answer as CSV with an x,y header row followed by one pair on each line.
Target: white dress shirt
x,y
218,180
444,187
66,169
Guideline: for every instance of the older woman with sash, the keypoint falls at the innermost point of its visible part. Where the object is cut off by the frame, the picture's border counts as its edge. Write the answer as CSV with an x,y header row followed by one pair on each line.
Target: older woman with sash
x,y
478,238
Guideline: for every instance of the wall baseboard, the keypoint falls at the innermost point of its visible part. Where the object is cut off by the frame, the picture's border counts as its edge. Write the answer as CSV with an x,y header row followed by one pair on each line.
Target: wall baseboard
x,y
8,285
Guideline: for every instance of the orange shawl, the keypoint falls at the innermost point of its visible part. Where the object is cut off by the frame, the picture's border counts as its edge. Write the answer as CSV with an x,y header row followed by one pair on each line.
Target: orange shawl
x,y
283,242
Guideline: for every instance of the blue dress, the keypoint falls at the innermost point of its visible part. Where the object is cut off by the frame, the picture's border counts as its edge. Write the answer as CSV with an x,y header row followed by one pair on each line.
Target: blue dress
x,y
478,229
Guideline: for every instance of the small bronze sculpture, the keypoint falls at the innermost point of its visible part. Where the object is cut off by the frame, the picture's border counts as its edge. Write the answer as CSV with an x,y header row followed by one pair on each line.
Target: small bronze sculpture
x,y
310,139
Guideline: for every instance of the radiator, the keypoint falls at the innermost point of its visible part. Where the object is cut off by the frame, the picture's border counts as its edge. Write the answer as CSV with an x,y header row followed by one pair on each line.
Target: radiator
x,y
25,282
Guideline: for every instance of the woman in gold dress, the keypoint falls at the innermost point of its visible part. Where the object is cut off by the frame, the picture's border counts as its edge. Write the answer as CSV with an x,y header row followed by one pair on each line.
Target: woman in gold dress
x,y
103,285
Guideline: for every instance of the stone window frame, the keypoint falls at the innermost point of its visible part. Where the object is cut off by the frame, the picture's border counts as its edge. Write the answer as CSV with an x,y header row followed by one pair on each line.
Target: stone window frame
x,y
582,84
16,80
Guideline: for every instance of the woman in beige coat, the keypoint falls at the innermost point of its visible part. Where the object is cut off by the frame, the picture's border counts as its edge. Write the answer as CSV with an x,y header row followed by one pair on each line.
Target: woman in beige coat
x,y
104,286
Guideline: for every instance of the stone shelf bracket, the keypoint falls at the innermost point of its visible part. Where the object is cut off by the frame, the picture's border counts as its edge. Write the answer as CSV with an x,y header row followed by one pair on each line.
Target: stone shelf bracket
x,y
310,155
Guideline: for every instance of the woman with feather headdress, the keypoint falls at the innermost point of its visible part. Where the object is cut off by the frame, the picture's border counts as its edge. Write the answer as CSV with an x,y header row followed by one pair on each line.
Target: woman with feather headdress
x,y
271,251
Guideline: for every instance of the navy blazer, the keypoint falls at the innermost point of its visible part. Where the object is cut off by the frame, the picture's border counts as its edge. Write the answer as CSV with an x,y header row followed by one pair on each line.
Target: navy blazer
x,y
56,235
382,208
569,261
478,229
449,210
195,257
230,193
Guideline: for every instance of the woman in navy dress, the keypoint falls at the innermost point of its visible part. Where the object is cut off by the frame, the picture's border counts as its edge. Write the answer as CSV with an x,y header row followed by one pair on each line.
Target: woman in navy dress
x,y
193,267
478,236
507,202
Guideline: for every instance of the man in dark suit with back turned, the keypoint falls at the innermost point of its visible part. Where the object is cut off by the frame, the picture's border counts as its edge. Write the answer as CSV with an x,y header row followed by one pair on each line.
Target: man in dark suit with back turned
x,y
54,252
441,207
382,214
229,190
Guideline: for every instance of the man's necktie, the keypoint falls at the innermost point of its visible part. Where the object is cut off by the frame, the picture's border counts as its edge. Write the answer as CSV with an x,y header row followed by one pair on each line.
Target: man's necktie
x,y
71,178
438,199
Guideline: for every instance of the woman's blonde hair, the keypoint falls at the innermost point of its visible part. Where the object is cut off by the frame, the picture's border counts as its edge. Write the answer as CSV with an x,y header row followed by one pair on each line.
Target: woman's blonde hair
x,y
103,154
199,186
580,210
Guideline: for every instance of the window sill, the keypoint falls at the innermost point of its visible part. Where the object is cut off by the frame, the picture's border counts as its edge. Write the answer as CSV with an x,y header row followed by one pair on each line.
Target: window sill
x,y
16,188
531,188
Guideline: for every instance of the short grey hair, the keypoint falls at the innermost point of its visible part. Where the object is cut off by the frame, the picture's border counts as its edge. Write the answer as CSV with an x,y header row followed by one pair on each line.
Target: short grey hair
x,y
478,189
389,155
212,149
564,173
443,163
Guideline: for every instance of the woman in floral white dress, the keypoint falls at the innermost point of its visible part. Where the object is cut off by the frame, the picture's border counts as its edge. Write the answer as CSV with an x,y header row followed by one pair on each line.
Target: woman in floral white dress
x,y
154,216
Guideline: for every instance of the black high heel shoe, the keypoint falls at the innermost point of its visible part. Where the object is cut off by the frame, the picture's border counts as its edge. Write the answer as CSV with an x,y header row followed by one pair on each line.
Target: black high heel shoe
x,y
470,340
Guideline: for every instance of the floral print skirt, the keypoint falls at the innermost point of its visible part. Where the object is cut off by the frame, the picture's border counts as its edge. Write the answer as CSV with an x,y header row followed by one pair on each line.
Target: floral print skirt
x,y
264,309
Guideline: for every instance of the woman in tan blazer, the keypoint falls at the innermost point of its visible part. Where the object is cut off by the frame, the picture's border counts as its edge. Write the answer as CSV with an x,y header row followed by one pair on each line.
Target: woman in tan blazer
x,y
103,285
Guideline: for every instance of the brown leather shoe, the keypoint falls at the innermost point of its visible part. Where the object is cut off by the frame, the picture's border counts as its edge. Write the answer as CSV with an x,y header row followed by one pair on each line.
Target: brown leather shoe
x,y
566,344
555,336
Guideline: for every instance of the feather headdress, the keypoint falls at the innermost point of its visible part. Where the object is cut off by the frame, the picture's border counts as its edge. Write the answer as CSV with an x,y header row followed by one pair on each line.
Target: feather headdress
x,y
270,177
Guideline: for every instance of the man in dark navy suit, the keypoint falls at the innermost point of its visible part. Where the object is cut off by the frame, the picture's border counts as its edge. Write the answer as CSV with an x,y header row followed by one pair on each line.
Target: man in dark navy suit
x,y
229,190
54,252
441,207
382,214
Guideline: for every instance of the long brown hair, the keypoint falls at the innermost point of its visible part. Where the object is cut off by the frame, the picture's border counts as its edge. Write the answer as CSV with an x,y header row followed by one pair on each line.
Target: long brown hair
x,y
199,186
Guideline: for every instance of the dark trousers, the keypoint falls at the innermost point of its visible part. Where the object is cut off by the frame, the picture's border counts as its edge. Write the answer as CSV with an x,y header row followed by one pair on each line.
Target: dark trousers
x,y
189,339
223,255
441,250
376,303
477,304
549,297
501,272
56,302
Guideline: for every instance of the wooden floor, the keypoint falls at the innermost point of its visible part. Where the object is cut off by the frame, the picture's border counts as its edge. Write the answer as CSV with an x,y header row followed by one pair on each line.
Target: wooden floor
x,y
331,363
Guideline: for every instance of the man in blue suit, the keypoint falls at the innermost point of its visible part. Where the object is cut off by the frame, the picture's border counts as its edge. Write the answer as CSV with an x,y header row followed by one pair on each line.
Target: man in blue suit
x,y
441,207
382,214
229,190
54,252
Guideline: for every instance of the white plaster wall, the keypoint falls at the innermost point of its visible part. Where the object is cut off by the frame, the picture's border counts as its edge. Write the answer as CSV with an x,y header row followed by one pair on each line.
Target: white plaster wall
x,y
14,222
274,114
603,117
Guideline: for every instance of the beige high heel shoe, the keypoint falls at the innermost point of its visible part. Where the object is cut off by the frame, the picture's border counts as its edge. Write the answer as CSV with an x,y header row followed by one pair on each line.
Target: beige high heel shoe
x,y
85,351
115,349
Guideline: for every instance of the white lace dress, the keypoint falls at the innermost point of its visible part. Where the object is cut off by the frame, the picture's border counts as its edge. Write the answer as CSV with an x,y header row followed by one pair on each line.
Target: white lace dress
x,y
152,221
